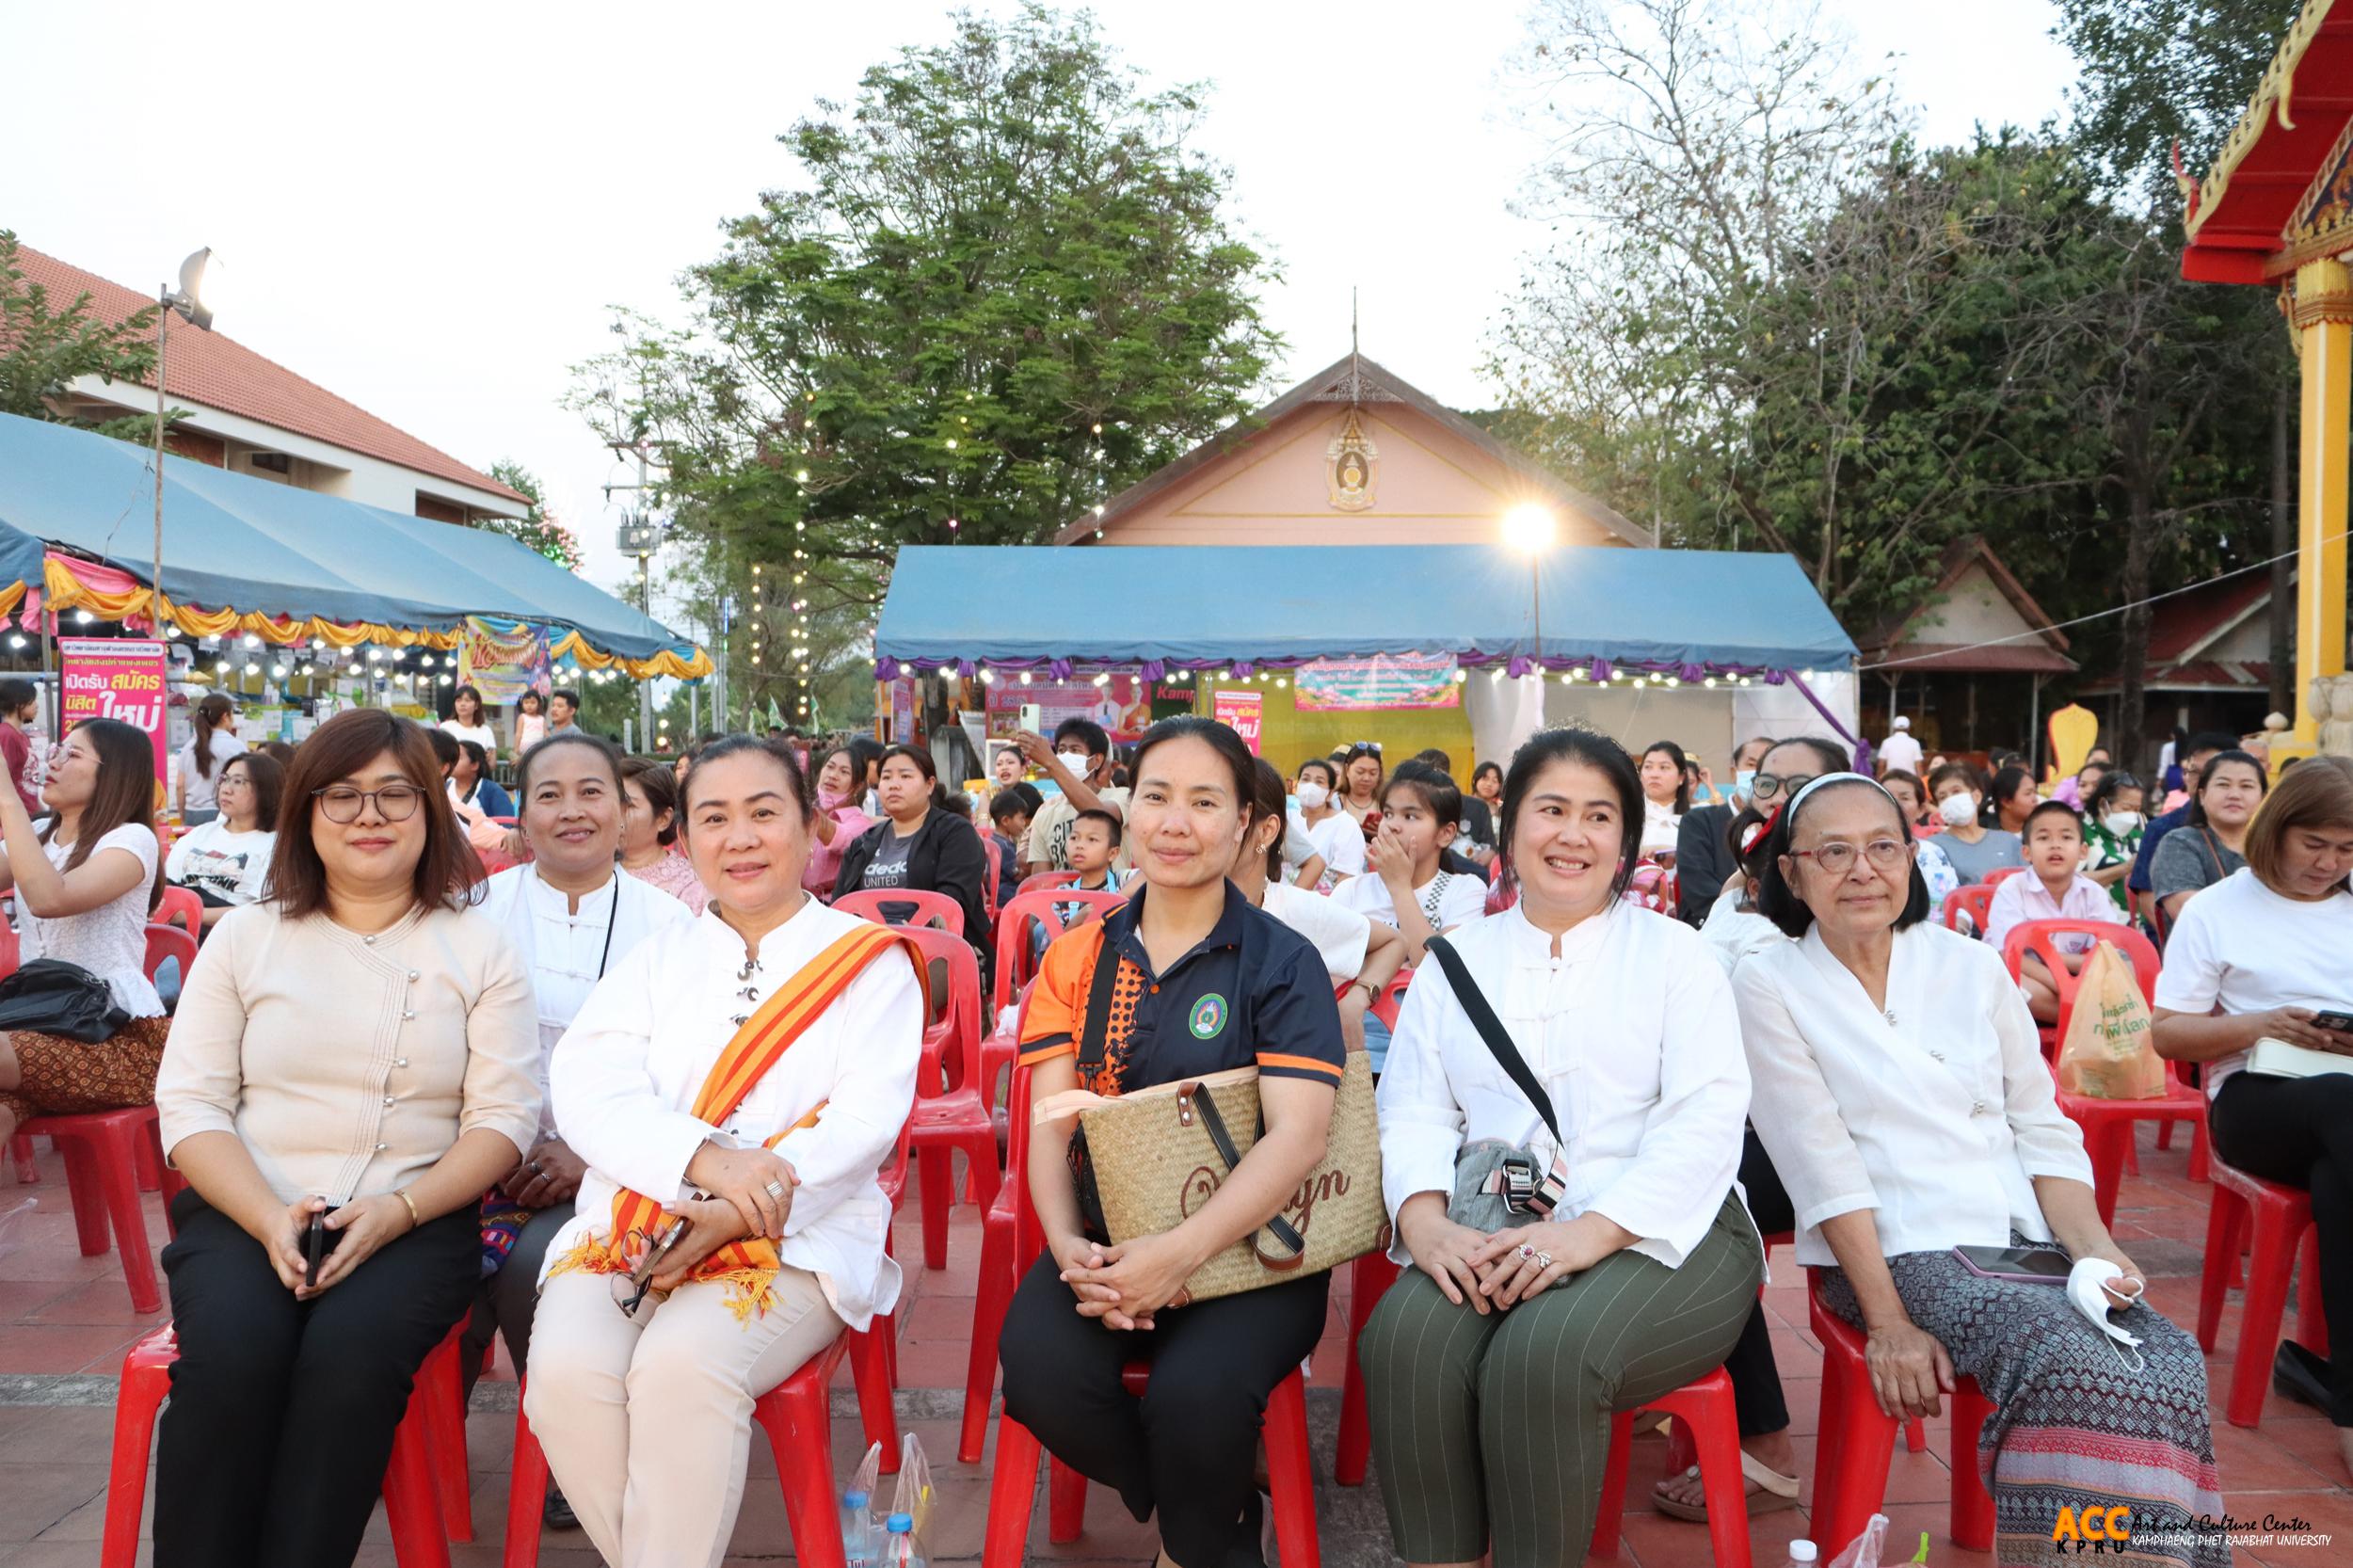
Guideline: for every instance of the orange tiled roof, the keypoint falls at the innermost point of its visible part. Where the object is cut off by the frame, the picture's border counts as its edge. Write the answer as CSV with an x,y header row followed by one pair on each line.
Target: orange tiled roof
x,y
220,373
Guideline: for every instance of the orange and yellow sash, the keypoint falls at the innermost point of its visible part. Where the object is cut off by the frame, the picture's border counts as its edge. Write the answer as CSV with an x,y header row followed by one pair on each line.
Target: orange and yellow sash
x,y
747,1267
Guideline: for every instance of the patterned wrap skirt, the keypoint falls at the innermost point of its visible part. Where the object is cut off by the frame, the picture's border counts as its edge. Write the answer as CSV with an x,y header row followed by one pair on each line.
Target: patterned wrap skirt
x,y
2073,1426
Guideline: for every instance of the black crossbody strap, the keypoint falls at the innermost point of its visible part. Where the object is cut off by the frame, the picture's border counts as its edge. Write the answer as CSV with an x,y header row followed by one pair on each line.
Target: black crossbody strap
x,y
1213,1123
1095,1029
1482,1017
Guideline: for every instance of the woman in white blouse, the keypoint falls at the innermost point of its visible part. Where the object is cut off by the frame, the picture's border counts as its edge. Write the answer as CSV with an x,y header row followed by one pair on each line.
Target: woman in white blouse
x,y
1333,833
355,1050
1665,796
83,882
643,1389
572,915
2260,956
1640,1277
226,861
1902,1095
468,722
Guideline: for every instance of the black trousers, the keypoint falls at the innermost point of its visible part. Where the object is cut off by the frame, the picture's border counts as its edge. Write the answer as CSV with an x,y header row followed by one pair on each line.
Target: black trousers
x,y
1190,1446
1755,1380
504,1303
2299,1132
273,1444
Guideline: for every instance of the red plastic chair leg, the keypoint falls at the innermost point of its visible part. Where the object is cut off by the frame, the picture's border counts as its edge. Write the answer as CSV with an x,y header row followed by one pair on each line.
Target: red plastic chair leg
x,y
801,1432
2226,1224
146,1379
412,1507
1291,1476
2312,1320
1973,1505
2258,1324
1065,1503
2112,1151
995,1295
2164,1134
1369,1278
150,1164
933,1168
869,1368
83,1189
1705,1408
1012,1495
526,1496
111,1154
20,1150
2200,1165
444,1399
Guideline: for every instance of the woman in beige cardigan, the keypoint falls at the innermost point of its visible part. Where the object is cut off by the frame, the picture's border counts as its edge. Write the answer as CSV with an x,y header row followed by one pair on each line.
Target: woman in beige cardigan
x,y
359,1049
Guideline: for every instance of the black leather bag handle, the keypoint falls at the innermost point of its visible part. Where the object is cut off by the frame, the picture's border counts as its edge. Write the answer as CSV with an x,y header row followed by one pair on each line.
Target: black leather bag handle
x,y
1213,1123
1474,1004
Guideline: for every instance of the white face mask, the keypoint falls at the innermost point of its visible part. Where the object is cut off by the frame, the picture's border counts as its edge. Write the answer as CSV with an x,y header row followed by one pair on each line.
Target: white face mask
x,y
1312,795
2121,823
1959,808
1077,761
1743,783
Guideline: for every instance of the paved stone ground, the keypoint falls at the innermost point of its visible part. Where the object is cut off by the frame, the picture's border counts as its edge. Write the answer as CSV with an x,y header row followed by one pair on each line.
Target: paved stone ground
x,y
64,1321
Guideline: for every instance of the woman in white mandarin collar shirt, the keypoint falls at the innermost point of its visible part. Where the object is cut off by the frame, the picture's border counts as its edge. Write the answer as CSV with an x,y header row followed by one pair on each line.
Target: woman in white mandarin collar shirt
x,y
644,1408
1901,1091
1642,1276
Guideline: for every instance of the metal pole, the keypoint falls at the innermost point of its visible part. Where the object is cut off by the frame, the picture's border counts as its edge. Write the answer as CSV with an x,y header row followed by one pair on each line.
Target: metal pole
x,y
163,329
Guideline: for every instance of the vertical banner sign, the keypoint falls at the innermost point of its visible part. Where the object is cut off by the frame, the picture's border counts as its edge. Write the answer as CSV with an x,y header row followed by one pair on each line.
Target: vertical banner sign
x,y
104,677
1240,710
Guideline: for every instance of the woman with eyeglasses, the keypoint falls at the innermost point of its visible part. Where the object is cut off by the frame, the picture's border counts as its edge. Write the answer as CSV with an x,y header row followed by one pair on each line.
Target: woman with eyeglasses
x,y
733,1084
356,1050
1901,1091
573,913
226,861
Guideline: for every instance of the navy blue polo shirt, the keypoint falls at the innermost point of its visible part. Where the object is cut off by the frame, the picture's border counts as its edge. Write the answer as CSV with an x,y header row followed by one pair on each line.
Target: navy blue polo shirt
x,y
1252,993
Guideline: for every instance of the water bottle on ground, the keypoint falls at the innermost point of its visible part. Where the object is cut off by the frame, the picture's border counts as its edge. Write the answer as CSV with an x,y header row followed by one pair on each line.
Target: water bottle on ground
x,y
858,1546
899,1549
1802,1553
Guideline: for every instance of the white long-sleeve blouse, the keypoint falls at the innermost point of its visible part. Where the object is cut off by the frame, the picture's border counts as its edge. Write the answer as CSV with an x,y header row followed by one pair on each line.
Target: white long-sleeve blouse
x,y
1936,1113
625,1077
1633,1032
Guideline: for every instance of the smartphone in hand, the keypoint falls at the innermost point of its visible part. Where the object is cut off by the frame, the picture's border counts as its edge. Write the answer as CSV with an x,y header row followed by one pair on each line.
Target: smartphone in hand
x,y
313,1249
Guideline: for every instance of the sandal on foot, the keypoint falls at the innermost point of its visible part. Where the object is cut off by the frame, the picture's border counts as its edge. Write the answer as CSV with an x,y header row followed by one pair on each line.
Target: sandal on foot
x,y
1774,1492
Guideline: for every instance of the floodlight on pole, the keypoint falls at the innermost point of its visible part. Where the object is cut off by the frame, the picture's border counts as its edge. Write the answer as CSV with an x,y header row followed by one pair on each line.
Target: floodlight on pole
x,y
189,301
1530,529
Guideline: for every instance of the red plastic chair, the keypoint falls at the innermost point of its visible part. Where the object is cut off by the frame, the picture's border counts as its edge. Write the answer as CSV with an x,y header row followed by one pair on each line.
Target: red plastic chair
x,y
2282,1219
168,941
1001,1245
1016,968
868,903
950,1114
1996,877
180,906
1704,1407
794,1415
1857,1442
1369,1279
105,1152
1043,880
412,1508
2107,1124
1973,901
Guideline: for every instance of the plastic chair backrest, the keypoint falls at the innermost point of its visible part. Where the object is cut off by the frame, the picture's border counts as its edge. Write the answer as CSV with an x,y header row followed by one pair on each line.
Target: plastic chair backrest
x,y
12,953
2039,937
1996,877
954,1042
168,941
1029,1236
869,902
180,906
1047,879
1014,966
1975,900
1385,1007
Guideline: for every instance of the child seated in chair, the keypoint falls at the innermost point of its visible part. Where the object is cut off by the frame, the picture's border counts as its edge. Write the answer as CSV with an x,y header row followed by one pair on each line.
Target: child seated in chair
x,y
2054,888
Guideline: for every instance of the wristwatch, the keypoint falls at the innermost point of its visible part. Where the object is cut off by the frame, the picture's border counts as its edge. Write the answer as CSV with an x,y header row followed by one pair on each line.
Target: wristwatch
x,y
1372,992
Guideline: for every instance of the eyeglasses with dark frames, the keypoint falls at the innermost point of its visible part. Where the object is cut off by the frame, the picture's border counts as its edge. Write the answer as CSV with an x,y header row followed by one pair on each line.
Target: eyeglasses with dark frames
x,y
344,803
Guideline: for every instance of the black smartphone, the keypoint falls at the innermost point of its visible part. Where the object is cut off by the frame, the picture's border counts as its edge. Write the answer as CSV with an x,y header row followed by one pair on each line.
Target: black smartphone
x,y
2341,1022
2027,1265
313,1249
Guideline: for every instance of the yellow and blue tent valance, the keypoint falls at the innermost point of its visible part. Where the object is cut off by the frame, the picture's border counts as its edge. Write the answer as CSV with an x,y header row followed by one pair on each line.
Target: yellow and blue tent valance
x,y
290,566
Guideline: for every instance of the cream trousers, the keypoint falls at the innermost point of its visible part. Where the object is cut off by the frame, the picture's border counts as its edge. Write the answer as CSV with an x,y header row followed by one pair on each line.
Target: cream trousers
x,y
646,1421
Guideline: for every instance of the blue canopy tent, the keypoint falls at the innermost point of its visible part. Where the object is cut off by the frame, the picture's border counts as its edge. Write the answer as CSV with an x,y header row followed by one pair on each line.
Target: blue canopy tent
x,y
237,543
1161,608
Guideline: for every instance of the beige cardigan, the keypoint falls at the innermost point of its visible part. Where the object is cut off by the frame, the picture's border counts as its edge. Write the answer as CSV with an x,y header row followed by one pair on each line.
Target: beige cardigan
x,y
348,1064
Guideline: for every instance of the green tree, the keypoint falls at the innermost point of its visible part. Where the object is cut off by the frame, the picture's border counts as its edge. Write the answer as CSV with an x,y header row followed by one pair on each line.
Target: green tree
x,y
2162,74
999,285
537,528
44,347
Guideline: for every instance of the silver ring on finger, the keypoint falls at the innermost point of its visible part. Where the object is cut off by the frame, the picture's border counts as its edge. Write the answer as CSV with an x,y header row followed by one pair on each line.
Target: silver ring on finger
x,y
774,1189
1543,1260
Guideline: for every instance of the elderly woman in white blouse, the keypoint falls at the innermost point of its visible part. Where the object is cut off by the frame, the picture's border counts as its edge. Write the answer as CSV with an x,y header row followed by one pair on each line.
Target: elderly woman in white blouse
x,y
354,1051
1495,1365
733,1084
1901,1092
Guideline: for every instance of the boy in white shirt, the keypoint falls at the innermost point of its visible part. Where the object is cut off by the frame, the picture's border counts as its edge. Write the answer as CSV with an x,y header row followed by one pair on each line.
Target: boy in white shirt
x,y
2052,888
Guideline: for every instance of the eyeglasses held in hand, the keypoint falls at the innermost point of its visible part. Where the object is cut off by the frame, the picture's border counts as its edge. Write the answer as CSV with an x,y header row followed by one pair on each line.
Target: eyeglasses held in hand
x,y
342,803
1837,859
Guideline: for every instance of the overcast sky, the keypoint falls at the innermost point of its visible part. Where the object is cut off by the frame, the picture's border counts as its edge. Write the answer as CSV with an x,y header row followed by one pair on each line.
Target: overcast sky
x,y
428,209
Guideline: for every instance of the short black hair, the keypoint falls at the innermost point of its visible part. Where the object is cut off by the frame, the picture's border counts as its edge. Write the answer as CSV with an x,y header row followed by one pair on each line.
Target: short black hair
x,y
2112,783
567,694
444,745
1323,765
1009,803
1097,742
1829,754
1547,746
1108,819
1779,902
2209,739
1682,770
1436,759
17,693
481,757
1483,770
2050,808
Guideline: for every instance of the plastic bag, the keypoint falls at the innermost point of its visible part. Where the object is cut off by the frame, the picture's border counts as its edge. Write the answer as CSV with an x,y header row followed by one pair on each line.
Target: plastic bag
x,y
913,1496
1863,1551
2111,1051
861,1525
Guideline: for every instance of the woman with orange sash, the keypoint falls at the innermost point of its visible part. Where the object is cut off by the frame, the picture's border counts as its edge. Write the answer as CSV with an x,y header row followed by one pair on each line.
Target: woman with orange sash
x,y
733,1085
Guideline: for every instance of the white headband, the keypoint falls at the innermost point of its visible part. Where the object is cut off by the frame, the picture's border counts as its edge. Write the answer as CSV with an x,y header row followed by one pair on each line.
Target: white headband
x,y
1799,799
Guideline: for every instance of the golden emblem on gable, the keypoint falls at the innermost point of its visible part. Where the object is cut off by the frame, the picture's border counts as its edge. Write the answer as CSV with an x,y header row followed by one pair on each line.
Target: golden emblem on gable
x,y
1352,464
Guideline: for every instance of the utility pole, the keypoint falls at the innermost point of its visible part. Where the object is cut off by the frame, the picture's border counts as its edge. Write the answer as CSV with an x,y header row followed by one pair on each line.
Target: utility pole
x,y
640,535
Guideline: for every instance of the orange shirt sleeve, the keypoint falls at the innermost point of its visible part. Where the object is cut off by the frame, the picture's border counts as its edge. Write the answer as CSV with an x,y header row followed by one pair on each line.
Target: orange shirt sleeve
x,y
1057,1005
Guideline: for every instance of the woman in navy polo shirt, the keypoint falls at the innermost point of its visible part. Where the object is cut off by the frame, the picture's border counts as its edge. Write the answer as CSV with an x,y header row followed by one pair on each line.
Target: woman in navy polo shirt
x,y
1203,982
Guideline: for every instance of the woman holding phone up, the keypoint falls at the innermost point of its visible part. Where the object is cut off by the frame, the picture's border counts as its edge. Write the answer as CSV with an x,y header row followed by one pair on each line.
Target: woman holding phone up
x,y
733,1085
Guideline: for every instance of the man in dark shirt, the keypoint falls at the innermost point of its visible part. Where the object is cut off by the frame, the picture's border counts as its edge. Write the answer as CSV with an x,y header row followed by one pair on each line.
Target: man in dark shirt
x,y
1702,856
